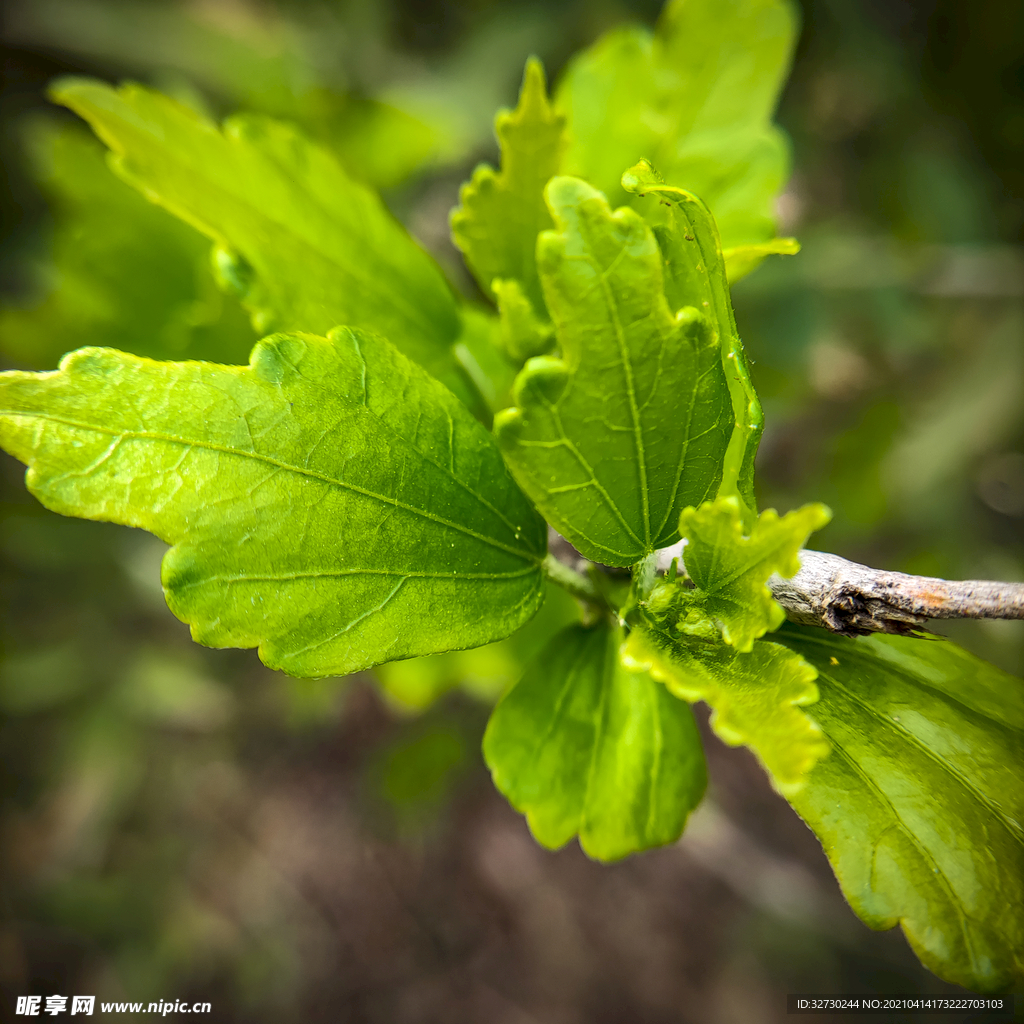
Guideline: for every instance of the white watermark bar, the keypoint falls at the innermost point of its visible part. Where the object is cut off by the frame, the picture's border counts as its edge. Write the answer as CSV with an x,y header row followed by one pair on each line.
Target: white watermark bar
x,y
998,1007
54,1006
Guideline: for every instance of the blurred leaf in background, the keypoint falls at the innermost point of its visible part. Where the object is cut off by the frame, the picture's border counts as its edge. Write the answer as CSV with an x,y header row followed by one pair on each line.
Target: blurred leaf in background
x,y
120,272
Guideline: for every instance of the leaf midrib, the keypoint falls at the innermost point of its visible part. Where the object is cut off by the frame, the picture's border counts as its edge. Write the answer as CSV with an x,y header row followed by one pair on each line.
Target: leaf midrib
x,y
267,460
603,275
287,577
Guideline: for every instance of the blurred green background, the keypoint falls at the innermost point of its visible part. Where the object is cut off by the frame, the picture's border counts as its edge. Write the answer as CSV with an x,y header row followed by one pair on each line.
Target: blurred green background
x,y
182,823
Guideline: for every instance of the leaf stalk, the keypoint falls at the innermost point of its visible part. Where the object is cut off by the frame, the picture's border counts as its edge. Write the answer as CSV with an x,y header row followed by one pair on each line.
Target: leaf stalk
x,y
581,587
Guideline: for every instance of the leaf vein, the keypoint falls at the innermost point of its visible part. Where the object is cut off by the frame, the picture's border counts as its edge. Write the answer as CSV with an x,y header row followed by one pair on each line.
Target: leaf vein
x,y
150,435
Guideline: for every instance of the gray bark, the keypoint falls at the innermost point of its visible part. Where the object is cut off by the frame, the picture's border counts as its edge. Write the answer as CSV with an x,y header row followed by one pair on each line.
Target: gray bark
x,y
854,600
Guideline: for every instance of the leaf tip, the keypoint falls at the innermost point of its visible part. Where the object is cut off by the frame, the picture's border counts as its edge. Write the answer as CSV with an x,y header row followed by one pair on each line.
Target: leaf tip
x,y
562,193
640,177
507,425
542,381
534,88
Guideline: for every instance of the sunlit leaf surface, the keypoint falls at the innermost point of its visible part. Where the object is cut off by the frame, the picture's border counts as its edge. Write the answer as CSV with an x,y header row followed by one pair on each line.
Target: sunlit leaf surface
x,y
731,570
757,698
696,274
631,424
696,98
330,503
583,745
502,212
307,247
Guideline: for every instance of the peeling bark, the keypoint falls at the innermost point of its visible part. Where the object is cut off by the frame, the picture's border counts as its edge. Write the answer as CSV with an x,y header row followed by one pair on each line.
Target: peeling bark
x,y
854,600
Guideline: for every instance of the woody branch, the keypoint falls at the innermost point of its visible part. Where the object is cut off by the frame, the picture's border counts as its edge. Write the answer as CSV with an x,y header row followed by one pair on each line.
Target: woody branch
x,y
854,600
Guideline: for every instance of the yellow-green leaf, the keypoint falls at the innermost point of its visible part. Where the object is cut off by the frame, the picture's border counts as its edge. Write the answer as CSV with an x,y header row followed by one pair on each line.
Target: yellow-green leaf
x,y
695,273
583,745
920,805
695,97
631,423
731,570
331,502
502,212
757,698
308,247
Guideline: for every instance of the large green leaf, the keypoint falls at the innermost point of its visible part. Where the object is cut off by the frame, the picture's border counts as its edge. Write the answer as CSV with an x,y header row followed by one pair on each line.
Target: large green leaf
x,y
632,423
920,805
483,672
696,98
731,570
501,213
756,697
119,271
695,273
331,502
308,247
583,745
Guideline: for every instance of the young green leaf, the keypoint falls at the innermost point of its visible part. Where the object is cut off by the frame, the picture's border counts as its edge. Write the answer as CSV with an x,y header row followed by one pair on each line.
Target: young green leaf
x,y
740,260
631,424
730,570
120,271
583,745
330,502
604,93
920,805
522,334
482,672
481,358
756,697
502,213
695,273
308,247
378,143
696,98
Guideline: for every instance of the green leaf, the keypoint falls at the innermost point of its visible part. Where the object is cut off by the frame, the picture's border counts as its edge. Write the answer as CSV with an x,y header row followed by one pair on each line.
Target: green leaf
x,y
377,143
119,271
920,805
583,745
696,98
604,93
483,672
501,213
331,502
631,424
479,353
742,259
316,248
731,570
523,334
756,697
695,273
